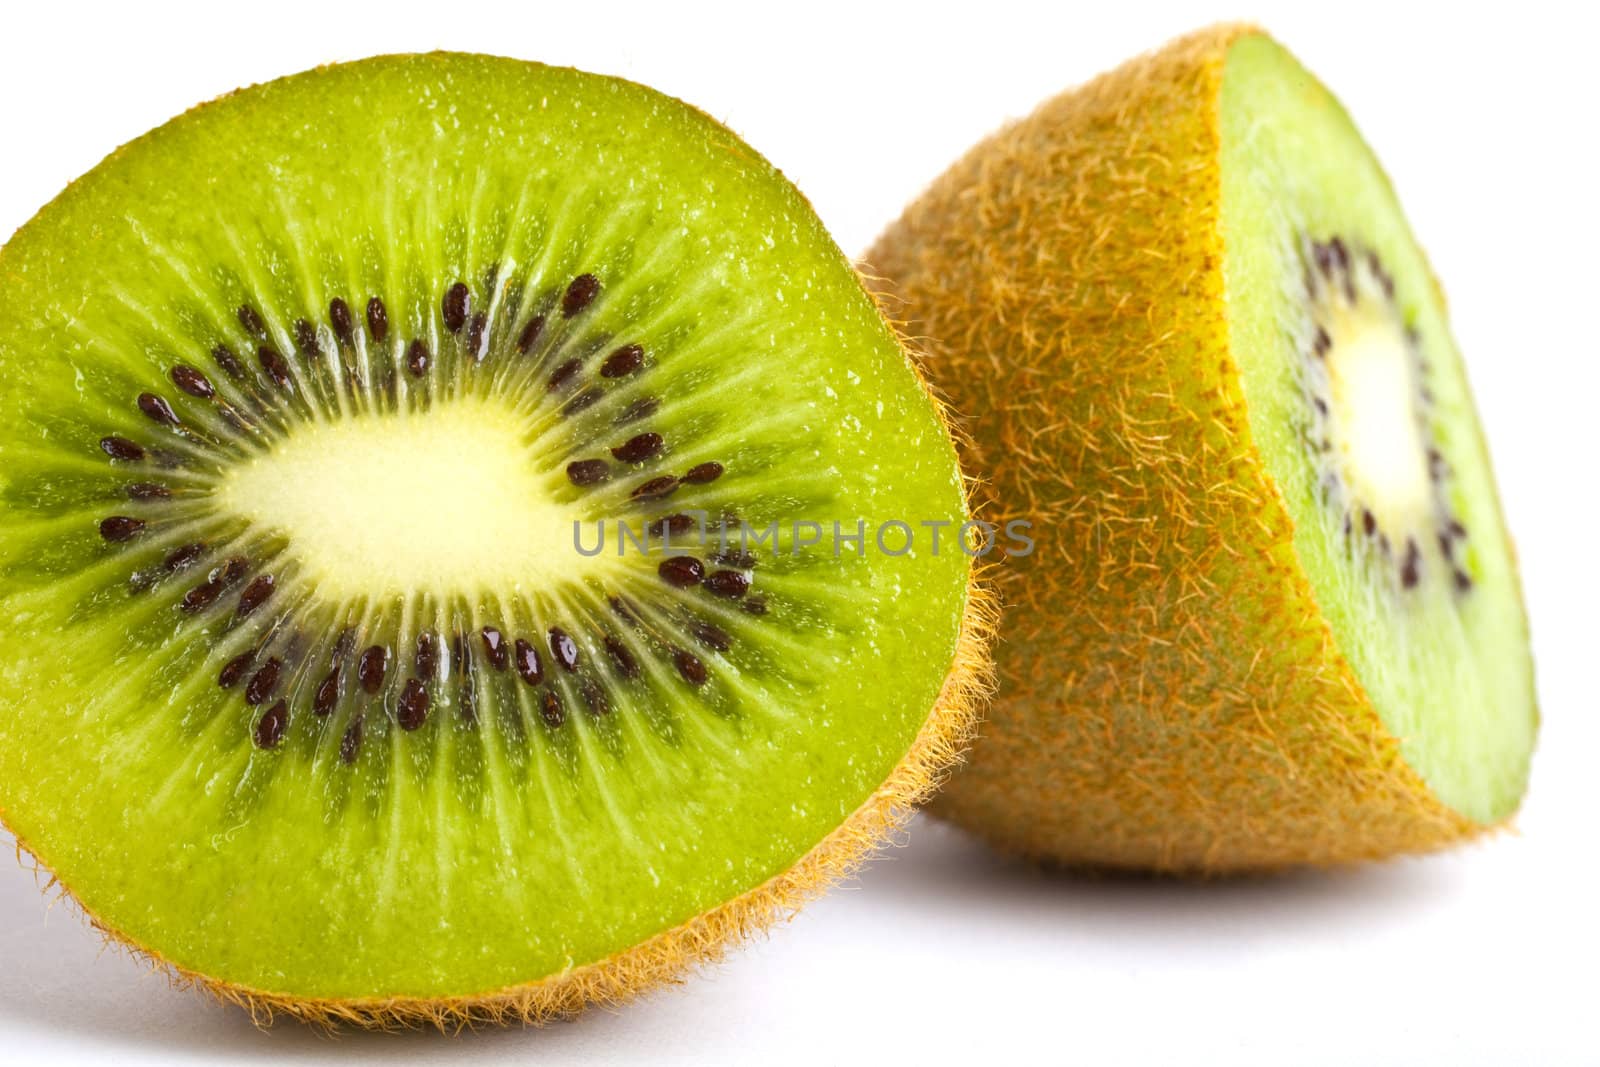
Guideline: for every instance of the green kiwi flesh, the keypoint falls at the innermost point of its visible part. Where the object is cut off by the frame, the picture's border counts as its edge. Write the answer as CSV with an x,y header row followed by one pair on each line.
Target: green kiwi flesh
x,y
1359,404
306,687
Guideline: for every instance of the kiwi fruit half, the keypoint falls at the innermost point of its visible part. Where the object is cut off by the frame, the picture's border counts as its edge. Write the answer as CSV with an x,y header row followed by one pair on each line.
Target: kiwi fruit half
x,y
407,609
1273,615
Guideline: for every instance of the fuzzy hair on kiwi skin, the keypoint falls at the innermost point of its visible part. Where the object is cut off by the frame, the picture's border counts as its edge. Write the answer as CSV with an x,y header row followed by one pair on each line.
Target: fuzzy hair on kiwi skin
x,y
672,955
1262,750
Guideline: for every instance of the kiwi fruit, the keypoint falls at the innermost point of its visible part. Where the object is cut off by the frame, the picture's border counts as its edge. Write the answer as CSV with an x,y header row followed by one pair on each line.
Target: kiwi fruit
x,y
1273,616
404,614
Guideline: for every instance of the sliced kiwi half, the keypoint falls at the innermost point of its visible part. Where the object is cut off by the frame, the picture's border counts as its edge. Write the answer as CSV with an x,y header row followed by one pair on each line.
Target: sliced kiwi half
x,y
1274,616
410,605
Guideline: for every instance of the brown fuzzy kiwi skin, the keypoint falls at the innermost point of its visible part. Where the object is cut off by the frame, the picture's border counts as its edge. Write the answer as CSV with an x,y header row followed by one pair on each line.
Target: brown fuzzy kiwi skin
x,y
670,956
1170,698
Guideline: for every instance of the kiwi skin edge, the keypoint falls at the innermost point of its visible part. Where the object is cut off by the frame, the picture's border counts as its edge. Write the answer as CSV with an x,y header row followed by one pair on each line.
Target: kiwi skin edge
x,y
667,957
1268,753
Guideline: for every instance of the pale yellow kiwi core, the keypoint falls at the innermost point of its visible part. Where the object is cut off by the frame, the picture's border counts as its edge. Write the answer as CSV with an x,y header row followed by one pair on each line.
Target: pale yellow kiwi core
x,y
445,500
1376,429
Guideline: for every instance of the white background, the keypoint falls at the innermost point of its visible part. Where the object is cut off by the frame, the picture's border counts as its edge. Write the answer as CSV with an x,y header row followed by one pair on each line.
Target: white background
x,y
940,952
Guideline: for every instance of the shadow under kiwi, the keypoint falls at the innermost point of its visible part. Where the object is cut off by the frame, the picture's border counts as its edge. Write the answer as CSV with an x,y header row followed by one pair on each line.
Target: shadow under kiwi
x,y
59,977
941,868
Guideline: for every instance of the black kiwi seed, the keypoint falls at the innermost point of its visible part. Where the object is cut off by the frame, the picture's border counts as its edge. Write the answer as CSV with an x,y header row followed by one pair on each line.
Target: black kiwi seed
x,y
192,381
120,528
233,570
224,357
559,376
475,332
689,665
251,320
528,665
623,362
734,557
755,605
1324,257
121,448
183,555
377,322
457,303
269,730
327,694
711,636
530,334
272,362
201,596
263,682
681,571
594,697
671,525
580,294
148,491
730,584
638,448
417,358
627,663
413,709
427,658
588,472
550,709
371,667
305,338
563,648
656,488
644,407
494,645
342,321
257,593
157,410
350,744
233,671
1340,254
702,473
1411,567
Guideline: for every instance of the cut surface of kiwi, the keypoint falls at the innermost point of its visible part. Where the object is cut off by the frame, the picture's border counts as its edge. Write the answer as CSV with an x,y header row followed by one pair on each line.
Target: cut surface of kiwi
x,y
1274,616
1360,412
404,612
